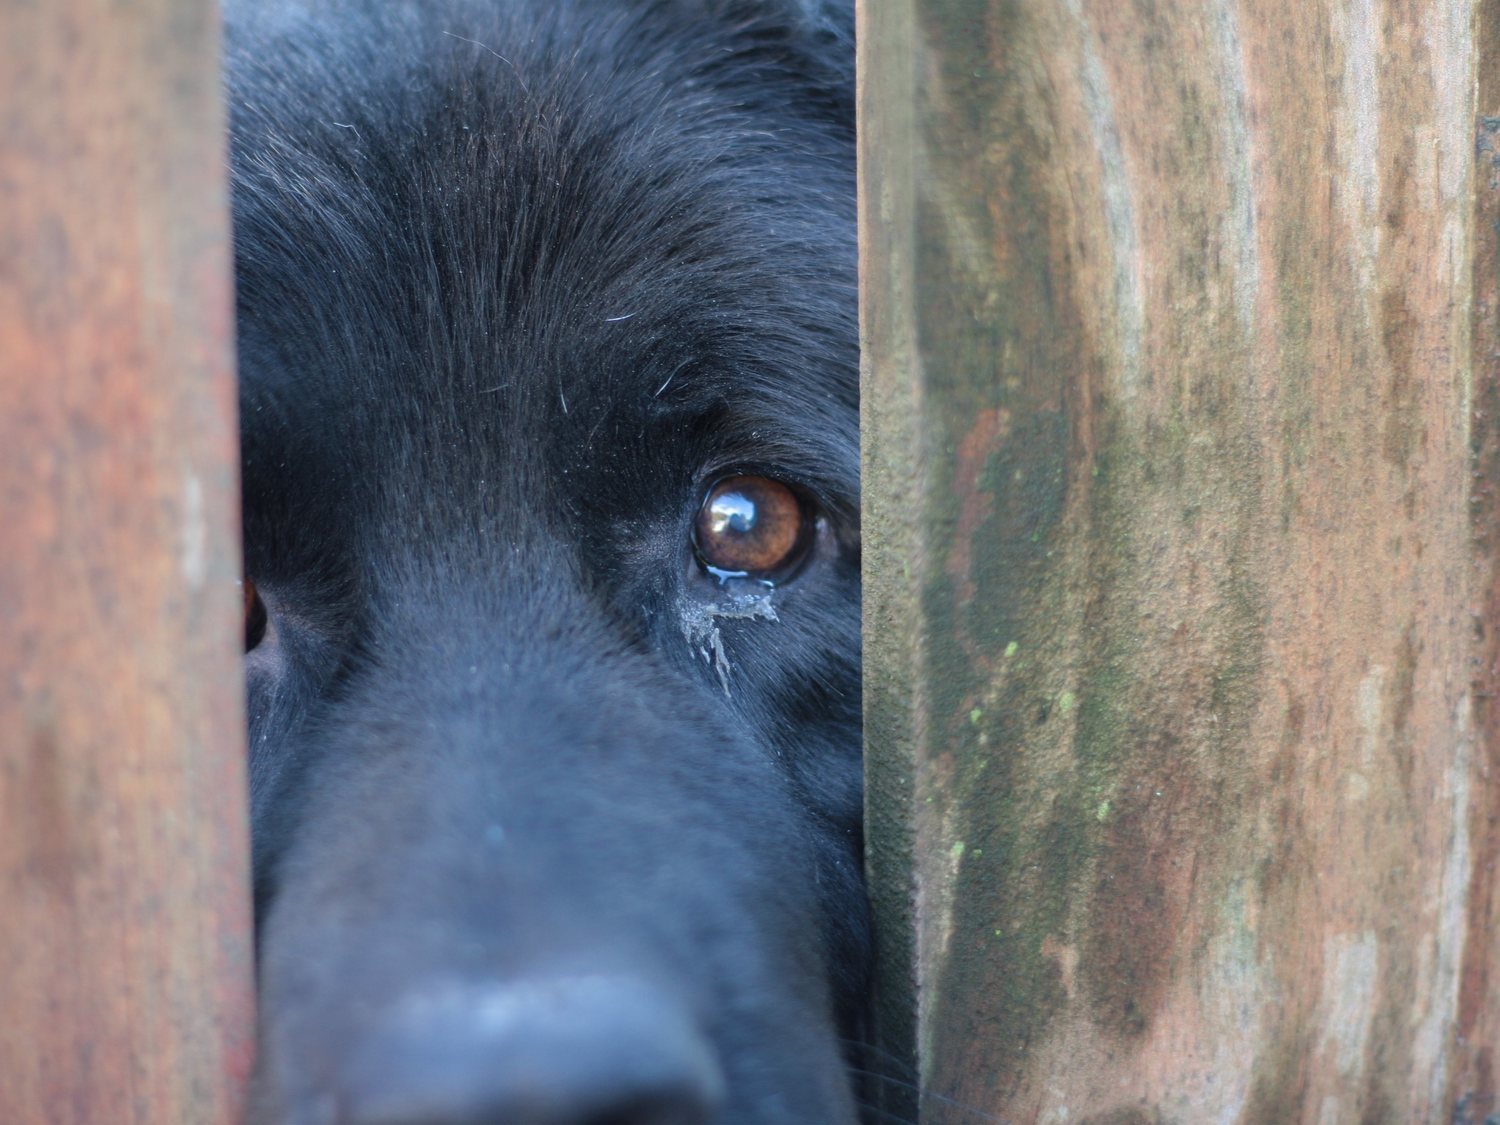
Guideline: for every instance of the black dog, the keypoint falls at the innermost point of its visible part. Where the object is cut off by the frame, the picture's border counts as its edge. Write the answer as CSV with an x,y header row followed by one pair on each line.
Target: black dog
x,y
549,360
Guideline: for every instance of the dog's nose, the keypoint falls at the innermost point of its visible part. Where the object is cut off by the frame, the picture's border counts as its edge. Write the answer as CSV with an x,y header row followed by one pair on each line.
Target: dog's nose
x,y
580,1050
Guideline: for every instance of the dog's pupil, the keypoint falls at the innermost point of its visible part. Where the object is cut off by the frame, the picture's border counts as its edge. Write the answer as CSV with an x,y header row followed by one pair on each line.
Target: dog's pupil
x,y
732,511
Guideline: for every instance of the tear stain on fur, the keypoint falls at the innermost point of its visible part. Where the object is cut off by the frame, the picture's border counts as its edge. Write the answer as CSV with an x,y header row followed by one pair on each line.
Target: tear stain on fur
x,y
701,627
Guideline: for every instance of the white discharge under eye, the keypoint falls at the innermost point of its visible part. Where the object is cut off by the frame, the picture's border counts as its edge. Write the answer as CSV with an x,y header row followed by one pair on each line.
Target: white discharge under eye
x,y
700,625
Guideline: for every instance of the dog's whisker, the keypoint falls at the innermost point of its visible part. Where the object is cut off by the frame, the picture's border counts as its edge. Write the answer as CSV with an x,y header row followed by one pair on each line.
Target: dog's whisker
x,y
887,1079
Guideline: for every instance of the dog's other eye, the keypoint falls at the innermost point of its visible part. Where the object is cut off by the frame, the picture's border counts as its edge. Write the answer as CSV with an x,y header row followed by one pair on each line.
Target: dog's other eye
x,y
255,617
754,527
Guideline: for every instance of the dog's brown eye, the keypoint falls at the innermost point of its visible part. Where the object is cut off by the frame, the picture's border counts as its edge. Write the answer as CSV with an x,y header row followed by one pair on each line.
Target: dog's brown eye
x,y
752,526
255,617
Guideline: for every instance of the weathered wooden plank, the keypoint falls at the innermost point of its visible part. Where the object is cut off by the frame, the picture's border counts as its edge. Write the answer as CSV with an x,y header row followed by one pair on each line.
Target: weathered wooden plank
x,y
124,903
1171,372
1475,1085
892,490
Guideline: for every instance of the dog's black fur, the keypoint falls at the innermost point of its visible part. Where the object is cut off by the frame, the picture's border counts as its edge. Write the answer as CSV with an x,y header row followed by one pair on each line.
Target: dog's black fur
x,y
552,826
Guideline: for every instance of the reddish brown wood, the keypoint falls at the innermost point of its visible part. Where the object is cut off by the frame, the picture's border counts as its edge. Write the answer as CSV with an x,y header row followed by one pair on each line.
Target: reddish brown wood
x,y
124,904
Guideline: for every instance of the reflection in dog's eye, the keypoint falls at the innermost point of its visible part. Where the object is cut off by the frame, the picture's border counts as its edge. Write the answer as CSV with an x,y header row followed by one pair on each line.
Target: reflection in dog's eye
x,y
255,617
752,526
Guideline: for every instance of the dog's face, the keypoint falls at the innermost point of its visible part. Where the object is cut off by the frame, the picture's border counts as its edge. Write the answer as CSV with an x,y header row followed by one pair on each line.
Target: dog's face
x,y
548,354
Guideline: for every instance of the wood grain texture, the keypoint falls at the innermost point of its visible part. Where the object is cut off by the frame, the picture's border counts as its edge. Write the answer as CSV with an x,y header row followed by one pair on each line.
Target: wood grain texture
x,y
1181,377
124,901
1477,1034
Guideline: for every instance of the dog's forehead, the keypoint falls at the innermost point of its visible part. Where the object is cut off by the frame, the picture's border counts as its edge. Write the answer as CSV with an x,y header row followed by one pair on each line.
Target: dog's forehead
x,y
538,276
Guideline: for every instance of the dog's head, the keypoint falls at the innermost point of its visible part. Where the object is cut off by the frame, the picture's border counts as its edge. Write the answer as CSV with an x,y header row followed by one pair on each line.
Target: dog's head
x,y
549,363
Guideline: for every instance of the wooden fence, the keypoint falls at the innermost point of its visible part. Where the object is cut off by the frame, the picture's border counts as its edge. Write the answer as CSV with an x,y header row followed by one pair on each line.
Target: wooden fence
x,y
1182,467
124,900
1182,416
